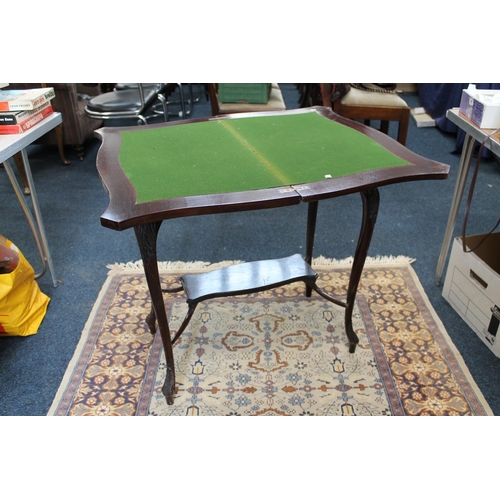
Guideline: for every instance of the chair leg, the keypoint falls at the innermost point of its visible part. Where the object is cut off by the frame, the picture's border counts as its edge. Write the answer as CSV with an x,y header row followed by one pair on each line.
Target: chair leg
x,y
183,113
163,101
190,99
198,98
79,151
164,108
384,127
60,144
403,129
183,102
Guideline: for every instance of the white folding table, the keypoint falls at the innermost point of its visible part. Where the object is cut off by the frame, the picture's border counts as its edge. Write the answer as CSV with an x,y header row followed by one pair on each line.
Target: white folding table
x,y
474,135
9,146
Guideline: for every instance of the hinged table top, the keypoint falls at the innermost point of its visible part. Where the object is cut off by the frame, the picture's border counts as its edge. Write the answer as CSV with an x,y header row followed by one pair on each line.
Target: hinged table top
x,y
246,161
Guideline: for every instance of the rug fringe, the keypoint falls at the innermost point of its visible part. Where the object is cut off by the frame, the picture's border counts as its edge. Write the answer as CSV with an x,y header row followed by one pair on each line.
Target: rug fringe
x,y
317,261
172,265
378,260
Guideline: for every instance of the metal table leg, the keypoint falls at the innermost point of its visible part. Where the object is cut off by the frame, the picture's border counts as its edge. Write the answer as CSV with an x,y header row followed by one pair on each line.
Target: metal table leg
x,y
463,171
37,228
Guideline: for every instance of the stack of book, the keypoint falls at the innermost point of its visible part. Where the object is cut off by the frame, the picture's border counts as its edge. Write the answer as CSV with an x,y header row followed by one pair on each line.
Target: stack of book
x,y
21,110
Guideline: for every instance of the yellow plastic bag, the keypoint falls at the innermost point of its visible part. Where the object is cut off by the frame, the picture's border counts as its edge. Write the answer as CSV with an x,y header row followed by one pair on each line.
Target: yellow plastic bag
x,y
22,304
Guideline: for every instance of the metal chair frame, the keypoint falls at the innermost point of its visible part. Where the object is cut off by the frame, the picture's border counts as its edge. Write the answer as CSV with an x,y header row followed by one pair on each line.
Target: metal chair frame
x,y
147,101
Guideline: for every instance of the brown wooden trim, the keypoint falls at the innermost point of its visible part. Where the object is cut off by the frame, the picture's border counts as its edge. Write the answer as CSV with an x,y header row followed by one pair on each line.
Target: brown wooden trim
x,y
123,212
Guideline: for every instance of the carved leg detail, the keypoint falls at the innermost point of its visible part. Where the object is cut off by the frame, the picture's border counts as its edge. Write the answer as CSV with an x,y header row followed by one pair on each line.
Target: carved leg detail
x,y
146,235
80,152
168,388
370,210
151,320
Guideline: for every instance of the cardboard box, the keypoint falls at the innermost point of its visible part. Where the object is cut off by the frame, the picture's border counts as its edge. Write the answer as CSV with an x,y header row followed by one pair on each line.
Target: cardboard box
x,y
472,286
483,115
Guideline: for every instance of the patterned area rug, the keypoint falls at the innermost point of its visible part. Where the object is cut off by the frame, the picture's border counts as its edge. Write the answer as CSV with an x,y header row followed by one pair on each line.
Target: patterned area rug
x,y
271,353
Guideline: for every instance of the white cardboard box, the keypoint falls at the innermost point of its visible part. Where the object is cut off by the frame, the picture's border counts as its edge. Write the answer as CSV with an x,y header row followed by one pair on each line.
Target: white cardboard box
x,y
484,116
422,118
472,286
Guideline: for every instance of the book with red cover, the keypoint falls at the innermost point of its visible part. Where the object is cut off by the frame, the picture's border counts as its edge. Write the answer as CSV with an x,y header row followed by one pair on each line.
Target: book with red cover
x,y
16,117
28,123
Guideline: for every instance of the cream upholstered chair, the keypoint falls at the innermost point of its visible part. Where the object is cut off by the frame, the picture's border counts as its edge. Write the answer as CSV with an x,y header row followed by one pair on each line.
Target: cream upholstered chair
x,y
365,105
275,102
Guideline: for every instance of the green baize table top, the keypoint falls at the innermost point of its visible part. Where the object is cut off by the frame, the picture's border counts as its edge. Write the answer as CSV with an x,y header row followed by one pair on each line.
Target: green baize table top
x,y
223,156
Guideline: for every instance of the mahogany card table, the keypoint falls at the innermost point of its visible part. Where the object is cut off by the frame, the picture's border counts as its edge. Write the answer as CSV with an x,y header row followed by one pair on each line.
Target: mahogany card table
x,y
244,162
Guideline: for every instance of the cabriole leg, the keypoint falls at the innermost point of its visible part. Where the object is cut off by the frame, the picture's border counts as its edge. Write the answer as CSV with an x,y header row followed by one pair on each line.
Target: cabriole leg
x,y
370,210
146,235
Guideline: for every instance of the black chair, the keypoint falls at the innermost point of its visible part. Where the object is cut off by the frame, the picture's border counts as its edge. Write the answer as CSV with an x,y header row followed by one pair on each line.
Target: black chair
x,y
170,92
130,102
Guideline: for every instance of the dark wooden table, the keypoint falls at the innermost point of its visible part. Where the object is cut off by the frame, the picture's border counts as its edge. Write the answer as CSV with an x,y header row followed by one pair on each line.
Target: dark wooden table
x,y
130,207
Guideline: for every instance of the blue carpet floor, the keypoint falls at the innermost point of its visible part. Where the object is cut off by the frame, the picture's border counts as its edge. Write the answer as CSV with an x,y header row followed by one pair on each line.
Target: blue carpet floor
x,y
411,222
